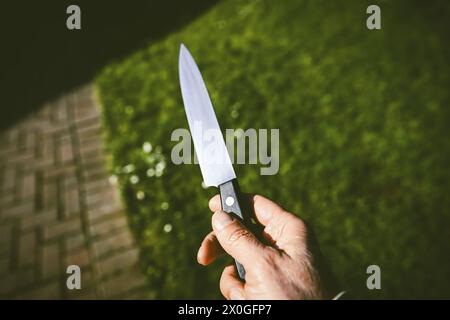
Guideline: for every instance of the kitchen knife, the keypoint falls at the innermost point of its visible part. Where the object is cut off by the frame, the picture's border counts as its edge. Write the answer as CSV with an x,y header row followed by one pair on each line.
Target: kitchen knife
x,y
210,148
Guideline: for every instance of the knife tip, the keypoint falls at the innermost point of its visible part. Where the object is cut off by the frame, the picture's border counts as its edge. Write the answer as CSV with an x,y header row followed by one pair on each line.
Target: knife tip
x,y
183,50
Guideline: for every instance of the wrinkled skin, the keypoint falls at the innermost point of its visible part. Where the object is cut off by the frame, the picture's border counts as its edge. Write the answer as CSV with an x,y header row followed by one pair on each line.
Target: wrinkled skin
x,y
286,264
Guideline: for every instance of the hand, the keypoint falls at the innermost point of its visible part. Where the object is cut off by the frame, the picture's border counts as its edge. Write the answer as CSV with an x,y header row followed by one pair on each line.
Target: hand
x,y
288,266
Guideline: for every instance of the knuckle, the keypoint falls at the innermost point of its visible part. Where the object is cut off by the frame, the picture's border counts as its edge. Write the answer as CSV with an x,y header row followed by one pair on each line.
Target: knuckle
x,y
210,237
238,235
267,260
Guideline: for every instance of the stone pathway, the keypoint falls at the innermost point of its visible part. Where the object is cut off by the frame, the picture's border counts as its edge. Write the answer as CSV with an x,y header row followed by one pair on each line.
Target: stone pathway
x,y
58,208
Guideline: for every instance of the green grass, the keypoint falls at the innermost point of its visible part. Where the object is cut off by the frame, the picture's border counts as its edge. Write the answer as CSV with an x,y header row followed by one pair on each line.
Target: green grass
x,y
364,137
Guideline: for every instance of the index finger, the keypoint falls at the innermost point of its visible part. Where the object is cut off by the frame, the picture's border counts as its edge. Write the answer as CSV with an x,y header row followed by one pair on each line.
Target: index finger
x,y
281,228
265,209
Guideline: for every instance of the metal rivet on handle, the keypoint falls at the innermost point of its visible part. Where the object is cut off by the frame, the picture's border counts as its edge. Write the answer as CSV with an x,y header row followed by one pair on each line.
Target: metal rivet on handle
x,y
229,201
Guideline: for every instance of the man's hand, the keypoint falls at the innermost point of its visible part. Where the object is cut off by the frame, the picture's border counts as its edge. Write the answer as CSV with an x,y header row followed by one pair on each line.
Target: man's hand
x,y
289,267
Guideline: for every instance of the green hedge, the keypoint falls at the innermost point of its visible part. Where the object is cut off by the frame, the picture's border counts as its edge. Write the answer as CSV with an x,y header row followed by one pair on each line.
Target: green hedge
x,y
364,137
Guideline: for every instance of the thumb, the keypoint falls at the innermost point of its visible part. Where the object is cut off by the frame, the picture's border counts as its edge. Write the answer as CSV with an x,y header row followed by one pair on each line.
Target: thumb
x,y
236,239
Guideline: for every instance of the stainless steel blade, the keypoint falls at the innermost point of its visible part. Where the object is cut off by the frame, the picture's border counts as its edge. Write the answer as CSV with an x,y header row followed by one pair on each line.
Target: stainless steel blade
x,y
208,140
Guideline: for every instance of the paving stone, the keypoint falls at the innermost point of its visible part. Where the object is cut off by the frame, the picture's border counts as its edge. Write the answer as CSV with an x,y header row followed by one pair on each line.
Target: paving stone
x,y
72,201
108,226
59,111
66,170
49,193
50,261
65,153
6,241
96,185
47,291
120,239
89,281
121,284
6,198
89,130
19,210
79,257
75,242
28,186
117,262
4,266
58,208
58,229
16,281
83,109
103,196
38,219
9,176
90,145
5,234
102,211
96,172
27,249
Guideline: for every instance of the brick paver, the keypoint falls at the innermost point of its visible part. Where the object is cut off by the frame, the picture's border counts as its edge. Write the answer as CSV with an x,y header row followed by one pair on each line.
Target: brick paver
x,y
57,208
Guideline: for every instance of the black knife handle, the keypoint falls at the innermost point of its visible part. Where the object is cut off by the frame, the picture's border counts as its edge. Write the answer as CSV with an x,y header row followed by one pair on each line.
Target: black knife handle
x,y
233,203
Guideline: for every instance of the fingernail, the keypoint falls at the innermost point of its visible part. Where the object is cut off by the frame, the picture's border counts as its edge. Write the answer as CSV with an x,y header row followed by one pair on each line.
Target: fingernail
x,y
199,257
236,295
221,220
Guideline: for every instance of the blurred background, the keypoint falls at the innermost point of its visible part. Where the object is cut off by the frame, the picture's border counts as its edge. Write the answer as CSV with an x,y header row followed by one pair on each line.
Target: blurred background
x,y
87,115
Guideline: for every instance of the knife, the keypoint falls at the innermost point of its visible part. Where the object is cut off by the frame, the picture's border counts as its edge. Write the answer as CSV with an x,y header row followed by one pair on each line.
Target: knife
x,y
209,145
